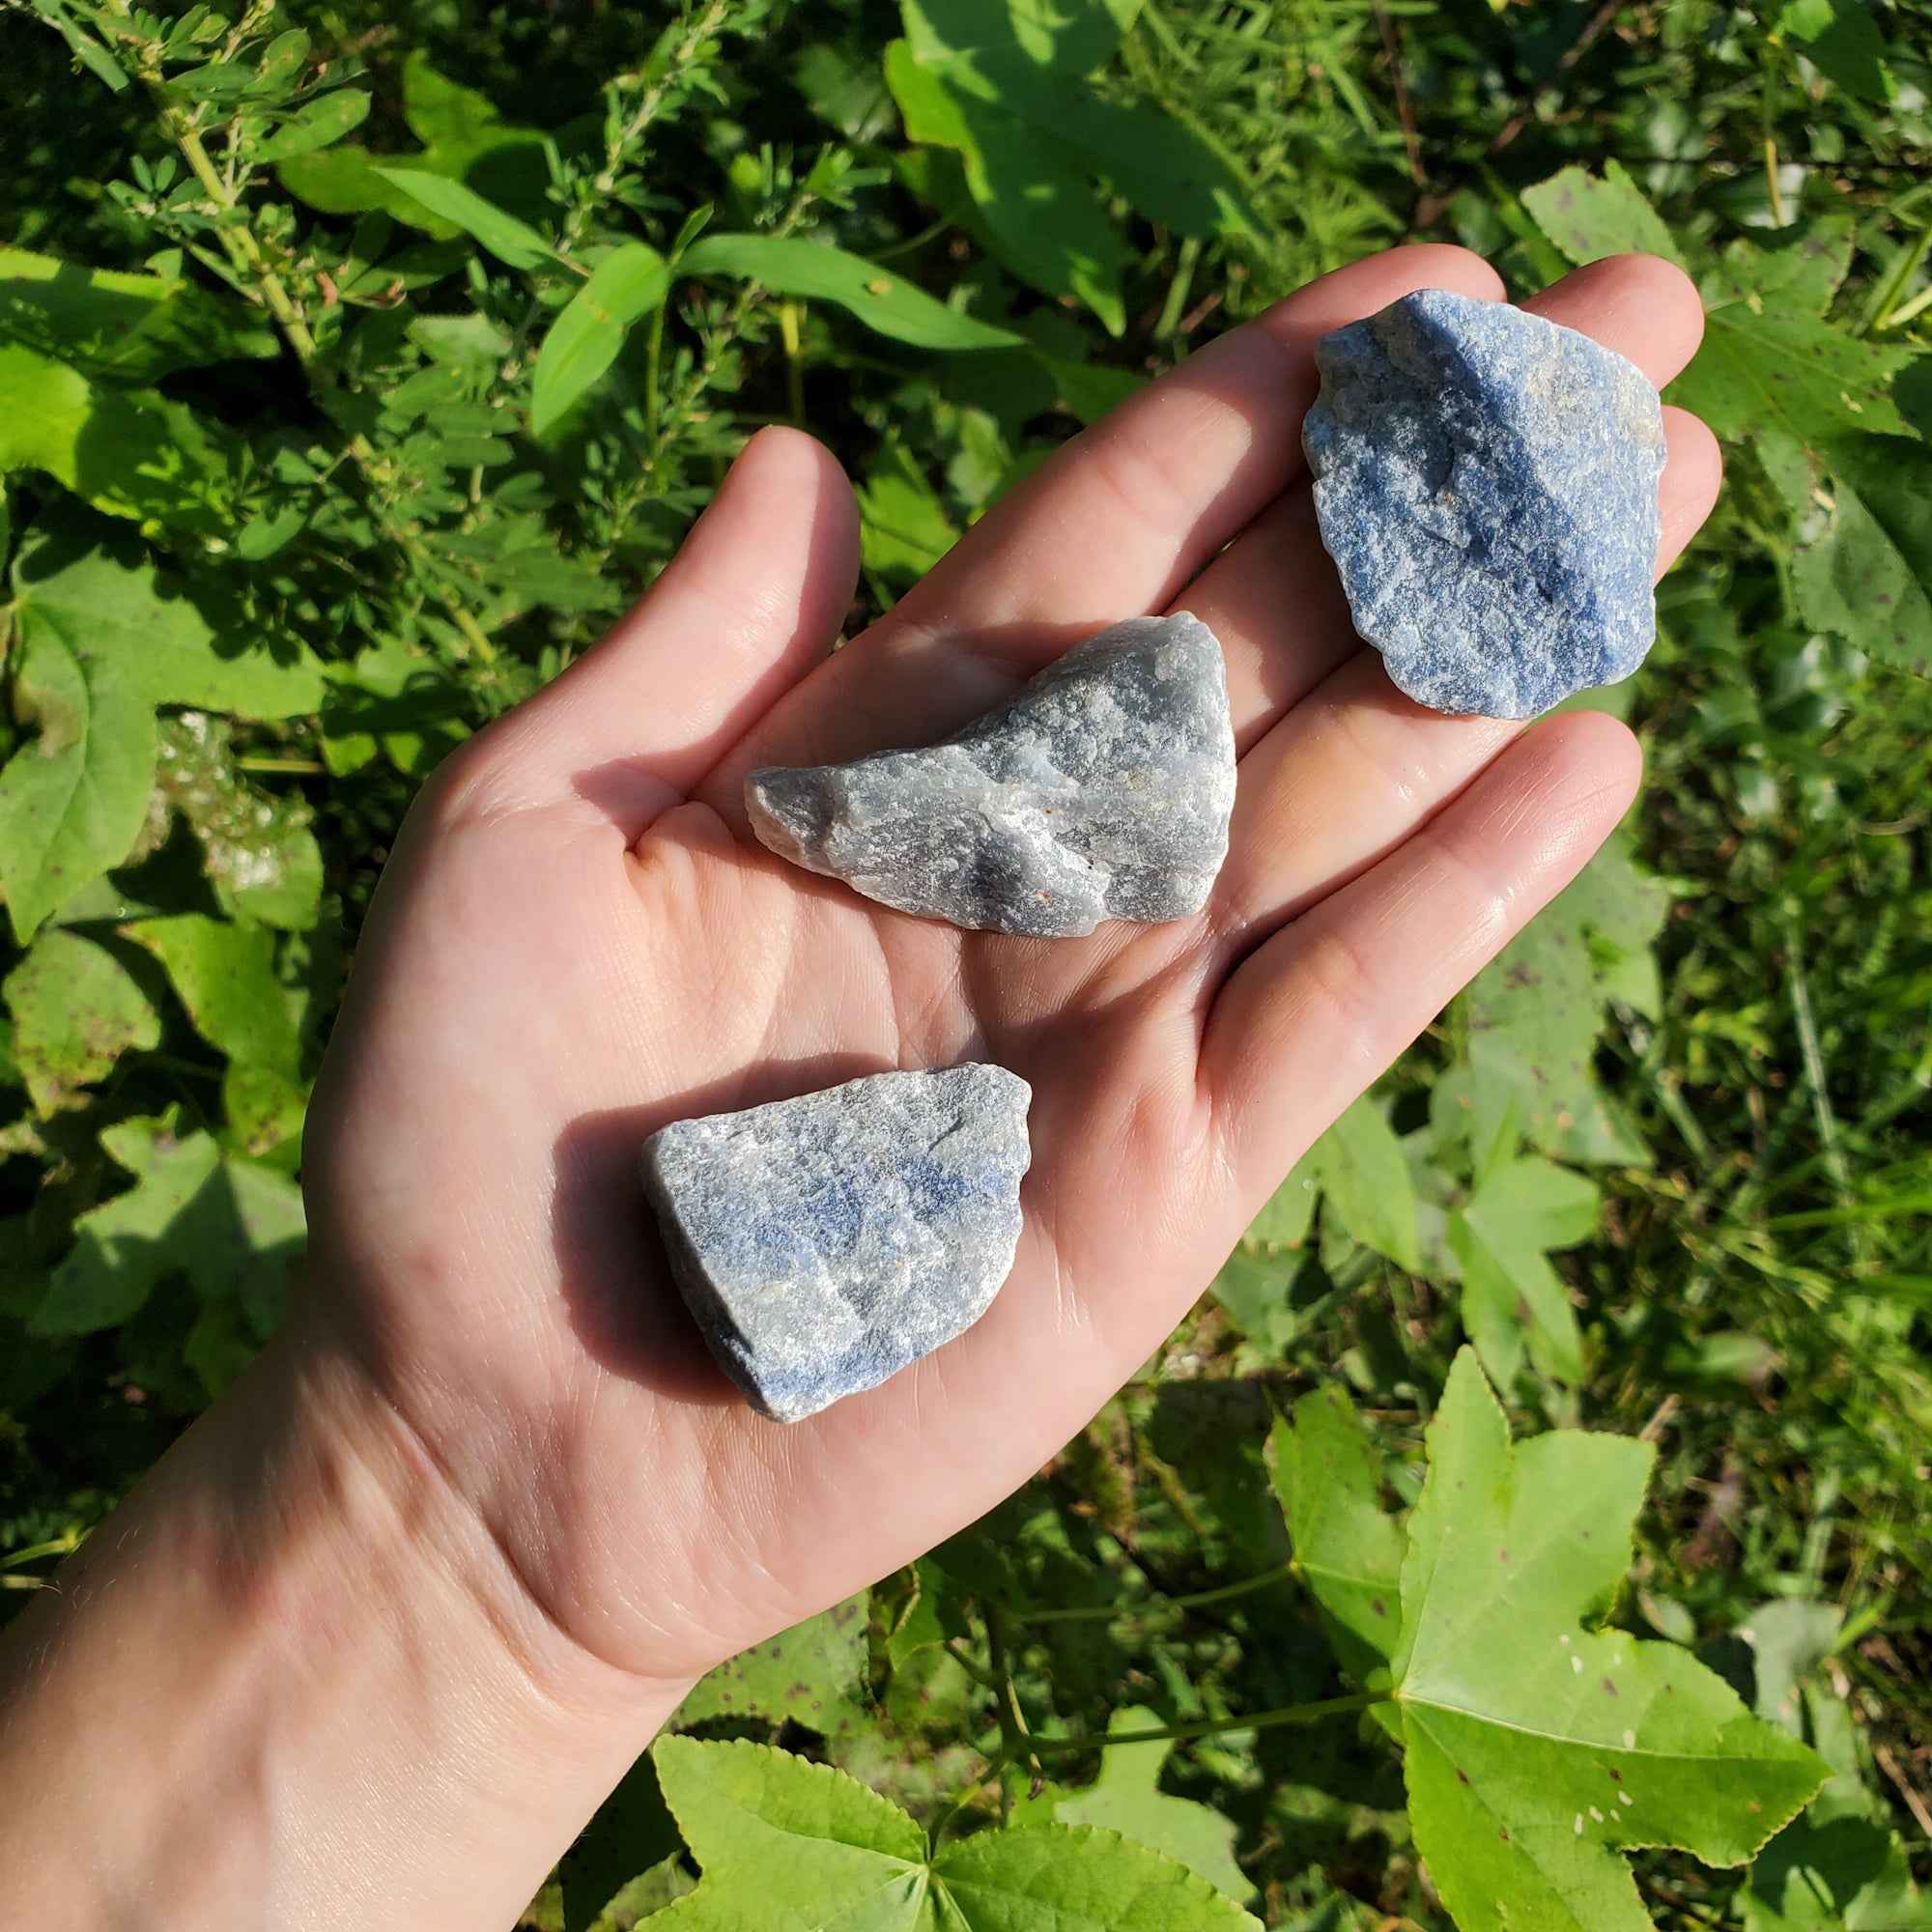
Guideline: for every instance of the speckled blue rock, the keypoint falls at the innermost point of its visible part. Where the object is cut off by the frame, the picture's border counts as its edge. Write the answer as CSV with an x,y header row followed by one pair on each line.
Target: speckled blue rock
x,y
1487,483
826,1242
1100,789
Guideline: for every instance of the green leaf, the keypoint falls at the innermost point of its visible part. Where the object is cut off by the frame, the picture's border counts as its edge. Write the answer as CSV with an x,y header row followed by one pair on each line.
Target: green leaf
x,y
110,604
1033,206
130,456
1254,1282
1768,361
1843,1874
1359,1166
1171,172
514,243
317,124
1510,1296
588,335
226,978
464,138
904,530
258,848
73,800
808,1675
1862,515
1841,40
632,1833
1348,1549
852,1858
1065,39
1537,1746
1126,1798
1535,1010
121,328
1589,217
883,301
101,644
75,1012
233,1226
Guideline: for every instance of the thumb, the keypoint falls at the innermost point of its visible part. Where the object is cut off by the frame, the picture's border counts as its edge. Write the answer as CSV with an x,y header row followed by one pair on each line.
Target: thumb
x,y
752,600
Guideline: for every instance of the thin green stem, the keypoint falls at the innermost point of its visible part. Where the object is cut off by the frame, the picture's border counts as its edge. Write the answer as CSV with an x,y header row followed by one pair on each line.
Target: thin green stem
x,y
1196,1599
1284,1717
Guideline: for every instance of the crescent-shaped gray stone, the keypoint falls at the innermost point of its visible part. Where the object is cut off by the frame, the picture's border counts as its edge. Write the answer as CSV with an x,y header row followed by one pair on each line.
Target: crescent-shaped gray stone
x,y
1100,789
1486,482
826,1242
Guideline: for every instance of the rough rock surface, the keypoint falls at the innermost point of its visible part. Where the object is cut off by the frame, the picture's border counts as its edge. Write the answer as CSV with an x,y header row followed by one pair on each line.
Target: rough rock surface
x,y
1487,483
823,1243
1099,790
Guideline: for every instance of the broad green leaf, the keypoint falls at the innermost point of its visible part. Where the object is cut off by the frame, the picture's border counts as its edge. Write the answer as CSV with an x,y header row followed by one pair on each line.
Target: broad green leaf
x,y
1843,1874
1589,216
1841,40
108,605
1536,1747
1126,1798
1512,1297
225,976
74,798
1066,36
903,528
882,300
75,1012
317,124
748,1812
808,1675
1862,514
131,329
514,243
632,1833
234,1227
130,456
1170,171
1535,1011
1365,1180
1789,1637
258,848
464,138
1254,1282
1033,206
851,1859
588,335
1348,1549
1768,361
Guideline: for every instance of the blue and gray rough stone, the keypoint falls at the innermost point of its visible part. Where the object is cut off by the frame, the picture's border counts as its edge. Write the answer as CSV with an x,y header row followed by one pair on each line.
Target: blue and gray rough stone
x,y
1487,483
1099,790
826,1242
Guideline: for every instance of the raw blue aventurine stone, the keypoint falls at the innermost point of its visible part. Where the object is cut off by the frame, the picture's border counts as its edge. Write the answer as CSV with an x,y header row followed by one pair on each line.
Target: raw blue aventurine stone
x,y
824,1243
1100,789
1485,481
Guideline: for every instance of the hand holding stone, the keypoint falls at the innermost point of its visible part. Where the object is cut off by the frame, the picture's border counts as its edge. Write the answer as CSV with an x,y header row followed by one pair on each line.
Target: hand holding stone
x,y
579,942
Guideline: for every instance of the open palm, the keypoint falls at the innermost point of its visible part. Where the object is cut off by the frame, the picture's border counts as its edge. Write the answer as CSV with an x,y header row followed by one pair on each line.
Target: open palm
x,y
578,941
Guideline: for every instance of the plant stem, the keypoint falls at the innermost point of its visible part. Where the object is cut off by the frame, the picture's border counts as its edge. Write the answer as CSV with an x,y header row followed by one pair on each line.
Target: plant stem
x,y
1284,1717
1195,1599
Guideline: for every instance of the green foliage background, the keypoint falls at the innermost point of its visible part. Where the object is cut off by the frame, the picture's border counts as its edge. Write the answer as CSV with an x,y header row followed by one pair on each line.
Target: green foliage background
x,y
358,361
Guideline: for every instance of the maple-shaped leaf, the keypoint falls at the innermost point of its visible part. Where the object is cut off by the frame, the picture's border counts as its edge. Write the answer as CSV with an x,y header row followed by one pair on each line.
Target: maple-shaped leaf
x,y
1537,1748
1348,1550
790,1846
807,1675
1126,1798
1769,363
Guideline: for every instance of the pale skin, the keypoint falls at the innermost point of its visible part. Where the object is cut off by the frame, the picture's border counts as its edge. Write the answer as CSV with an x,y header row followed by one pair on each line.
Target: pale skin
x,y
374,1639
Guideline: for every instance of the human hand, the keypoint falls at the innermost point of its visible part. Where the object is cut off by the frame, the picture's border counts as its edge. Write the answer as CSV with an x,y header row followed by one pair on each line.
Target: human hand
x,y
578,941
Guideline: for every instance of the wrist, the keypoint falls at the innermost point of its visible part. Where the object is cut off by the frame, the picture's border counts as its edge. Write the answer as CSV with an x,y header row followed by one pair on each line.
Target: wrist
x,y
294,1681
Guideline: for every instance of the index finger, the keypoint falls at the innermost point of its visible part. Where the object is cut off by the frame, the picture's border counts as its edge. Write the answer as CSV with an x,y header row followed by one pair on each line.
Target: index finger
x,y
1113,525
